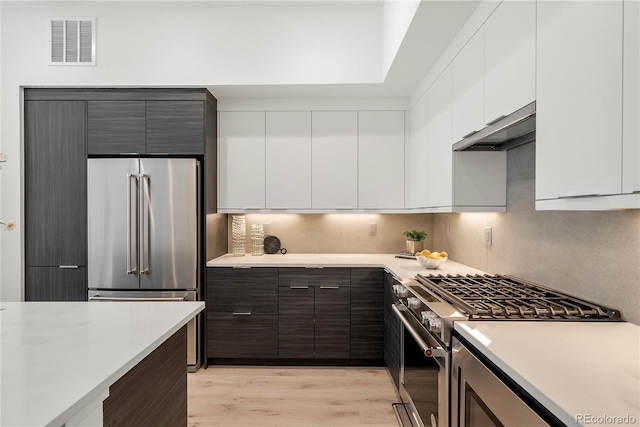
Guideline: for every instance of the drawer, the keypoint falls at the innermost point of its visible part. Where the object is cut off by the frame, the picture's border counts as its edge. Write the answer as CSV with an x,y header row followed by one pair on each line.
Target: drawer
x,y
331,276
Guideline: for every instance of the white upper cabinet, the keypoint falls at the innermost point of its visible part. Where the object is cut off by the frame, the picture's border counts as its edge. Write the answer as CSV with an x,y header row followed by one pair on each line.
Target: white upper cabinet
x,y
288,160
334,153
579,99
468,88
241,161
381,159
440,155
631,98
417,156
510,58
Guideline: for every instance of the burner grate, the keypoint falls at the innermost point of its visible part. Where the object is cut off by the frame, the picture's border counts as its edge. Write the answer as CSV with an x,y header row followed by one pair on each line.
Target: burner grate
x,y
505,297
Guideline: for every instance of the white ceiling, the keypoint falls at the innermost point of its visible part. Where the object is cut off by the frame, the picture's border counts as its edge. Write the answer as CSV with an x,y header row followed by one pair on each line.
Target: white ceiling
x,y
433,27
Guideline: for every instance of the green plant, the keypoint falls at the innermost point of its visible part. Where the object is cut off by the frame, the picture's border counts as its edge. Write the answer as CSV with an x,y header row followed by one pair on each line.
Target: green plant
x,y
415,235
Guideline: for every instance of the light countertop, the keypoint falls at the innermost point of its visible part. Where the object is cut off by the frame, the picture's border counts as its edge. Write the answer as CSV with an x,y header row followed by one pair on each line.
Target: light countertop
x,y
574,369
400,268
57,357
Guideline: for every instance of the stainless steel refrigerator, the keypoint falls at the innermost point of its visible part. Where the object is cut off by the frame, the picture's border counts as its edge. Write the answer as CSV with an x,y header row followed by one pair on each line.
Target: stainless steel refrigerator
x,y
143,230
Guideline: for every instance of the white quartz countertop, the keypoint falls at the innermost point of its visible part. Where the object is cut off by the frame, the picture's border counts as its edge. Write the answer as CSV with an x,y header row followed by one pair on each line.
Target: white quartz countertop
x,y
399,267
585,373
57,357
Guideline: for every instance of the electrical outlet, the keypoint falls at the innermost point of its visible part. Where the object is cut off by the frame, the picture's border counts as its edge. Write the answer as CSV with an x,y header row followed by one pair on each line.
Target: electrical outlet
x,y
488,238
372,229
265,228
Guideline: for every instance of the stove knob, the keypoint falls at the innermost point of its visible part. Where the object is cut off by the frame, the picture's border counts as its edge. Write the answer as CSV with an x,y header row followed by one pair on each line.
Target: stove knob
x,y
435,325
400,291
413,302
426,315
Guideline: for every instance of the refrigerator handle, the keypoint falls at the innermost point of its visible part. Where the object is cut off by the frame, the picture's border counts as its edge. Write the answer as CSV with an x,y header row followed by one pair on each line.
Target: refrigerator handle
x,y
130,244
145,225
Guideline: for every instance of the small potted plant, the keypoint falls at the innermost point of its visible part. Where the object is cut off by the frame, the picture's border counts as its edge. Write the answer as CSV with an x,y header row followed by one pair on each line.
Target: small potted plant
x,y
414,240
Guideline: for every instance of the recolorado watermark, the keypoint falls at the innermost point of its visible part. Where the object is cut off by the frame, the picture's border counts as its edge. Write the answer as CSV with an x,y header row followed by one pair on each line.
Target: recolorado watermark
x,y
586,419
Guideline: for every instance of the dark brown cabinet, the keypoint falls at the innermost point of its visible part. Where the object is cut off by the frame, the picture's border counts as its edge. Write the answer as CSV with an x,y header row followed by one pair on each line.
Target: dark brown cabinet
x,y
314,313
296,309
332,329
242,313
296,315
175,127
55,283
367,313
116,127
154,127
392,330
55,190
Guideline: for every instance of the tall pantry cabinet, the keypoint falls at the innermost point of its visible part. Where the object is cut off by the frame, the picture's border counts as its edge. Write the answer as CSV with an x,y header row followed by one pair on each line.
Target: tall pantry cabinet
x,y
55,189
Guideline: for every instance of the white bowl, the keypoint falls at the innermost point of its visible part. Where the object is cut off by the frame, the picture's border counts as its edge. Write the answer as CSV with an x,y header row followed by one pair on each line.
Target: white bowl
x,y
431,263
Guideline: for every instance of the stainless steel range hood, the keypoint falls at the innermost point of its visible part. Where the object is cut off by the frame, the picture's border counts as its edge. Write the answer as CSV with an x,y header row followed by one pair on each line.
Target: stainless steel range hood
x,y
503,133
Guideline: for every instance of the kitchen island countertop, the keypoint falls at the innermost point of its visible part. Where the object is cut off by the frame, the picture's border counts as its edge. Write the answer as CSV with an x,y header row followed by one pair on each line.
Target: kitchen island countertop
x,y
399,267
585,373
59,357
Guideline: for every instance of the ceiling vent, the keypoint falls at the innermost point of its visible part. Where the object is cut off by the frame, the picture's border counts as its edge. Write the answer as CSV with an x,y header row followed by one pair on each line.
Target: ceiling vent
x,y
73,41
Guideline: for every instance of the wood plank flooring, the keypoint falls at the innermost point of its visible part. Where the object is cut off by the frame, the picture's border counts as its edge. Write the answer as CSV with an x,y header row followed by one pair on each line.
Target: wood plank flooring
x,y
300,396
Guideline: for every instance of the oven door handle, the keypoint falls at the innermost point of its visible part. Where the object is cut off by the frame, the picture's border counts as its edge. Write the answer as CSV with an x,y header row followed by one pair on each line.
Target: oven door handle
x,y
428,350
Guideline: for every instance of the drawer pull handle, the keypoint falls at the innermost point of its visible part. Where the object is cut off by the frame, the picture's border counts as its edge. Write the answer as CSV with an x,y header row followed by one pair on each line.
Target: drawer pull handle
x,y
329,287
242,313
298,287
68,266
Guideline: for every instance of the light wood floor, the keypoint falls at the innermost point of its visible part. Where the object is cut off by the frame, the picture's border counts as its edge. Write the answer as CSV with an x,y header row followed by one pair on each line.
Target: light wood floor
x,y
276,396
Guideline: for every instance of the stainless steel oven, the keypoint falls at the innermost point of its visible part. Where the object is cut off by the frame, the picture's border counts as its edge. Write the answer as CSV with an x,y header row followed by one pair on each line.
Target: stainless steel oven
x,y
481,399
424,373
428,308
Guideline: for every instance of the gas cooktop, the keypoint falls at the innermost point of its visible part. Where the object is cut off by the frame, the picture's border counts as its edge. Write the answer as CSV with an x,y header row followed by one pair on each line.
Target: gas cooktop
x,y
496,297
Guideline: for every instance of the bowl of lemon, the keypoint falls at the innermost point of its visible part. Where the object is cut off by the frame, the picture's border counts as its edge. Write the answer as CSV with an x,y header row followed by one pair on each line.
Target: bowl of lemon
x,y
431,260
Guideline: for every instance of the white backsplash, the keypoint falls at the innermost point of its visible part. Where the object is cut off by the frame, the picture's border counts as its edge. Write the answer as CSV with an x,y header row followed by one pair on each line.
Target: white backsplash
x,y
341,233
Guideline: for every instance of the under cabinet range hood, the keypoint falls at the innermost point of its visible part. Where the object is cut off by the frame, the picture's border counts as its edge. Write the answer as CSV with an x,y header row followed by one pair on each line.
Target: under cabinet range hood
x,y
504,133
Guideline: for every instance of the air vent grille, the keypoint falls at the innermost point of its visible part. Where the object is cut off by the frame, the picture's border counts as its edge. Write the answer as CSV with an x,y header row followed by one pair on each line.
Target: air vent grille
x,y
73,41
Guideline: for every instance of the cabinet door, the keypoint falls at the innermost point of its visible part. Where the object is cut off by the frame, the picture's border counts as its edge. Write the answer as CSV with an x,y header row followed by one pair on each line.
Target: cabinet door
x,y
116,127
417,156
295,322
392,327
332,322
55,183
440,156
334,154
579,98
242,160
242,313
381,159
175,127
468,87
288,156
510,58
55,284
631,98
367,325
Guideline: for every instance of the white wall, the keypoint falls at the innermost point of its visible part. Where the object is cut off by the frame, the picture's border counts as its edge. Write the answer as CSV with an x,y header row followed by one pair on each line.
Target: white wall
x,y
174,44
396,18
